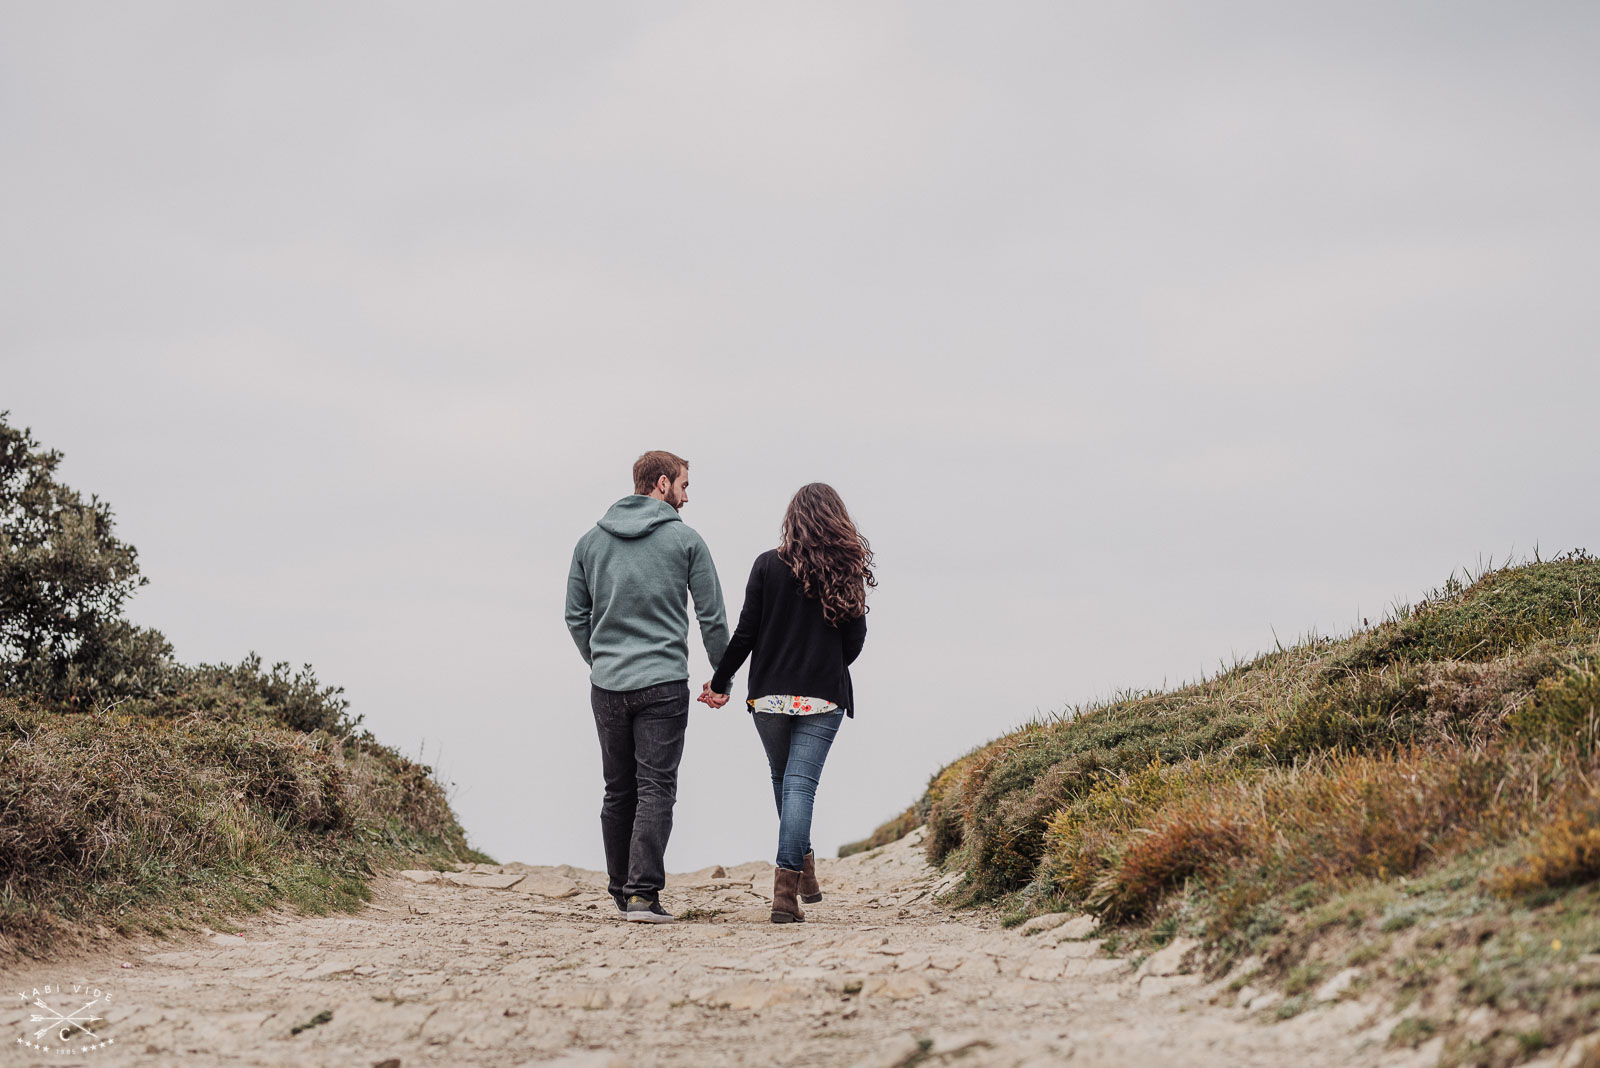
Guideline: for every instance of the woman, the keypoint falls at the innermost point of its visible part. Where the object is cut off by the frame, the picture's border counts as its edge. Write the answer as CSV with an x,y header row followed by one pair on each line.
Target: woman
x,y
805,620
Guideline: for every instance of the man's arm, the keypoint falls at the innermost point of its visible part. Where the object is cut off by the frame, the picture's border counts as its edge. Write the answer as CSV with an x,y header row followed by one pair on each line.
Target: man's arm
x,y
580,607
708,607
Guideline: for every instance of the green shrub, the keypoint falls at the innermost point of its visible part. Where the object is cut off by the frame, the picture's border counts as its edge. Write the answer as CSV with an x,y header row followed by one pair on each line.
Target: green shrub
x,y
1355,713
64,577
1503,610
1566,707
296,700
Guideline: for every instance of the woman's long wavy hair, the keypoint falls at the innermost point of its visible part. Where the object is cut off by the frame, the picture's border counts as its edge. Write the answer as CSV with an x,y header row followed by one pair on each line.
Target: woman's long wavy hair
x,y
826,552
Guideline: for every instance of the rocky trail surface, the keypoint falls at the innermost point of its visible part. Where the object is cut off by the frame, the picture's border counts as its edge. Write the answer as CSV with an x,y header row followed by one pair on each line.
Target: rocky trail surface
x,y
515,965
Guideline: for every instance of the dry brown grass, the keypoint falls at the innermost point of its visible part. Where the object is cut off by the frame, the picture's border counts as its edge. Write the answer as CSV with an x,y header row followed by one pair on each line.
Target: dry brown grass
x,y
1309,747
1332,821
1420,796
1565,851
131,822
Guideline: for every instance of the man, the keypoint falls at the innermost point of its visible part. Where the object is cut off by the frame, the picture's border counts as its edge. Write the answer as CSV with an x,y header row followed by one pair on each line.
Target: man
x,y
628,613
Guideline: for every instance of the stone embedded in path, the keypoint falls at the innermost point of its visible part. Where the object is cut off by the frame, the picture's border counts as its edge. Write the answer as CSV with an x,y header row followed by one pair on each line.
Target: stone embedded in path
x,y
754,995
702,879
946,1043
1169,960
1154,986
586,996
898,986
599,1058
1100,966
545,885
1263,1001
898,1051
1045,965
485,880
523,878
1339,983
1048,921
332,967
1076,928
980,966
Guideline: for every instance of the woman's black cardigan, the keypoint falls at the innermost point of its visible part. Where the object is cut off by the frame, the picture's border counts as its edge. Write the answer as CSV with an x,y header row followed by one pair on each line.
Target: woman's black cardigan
x,y
796,651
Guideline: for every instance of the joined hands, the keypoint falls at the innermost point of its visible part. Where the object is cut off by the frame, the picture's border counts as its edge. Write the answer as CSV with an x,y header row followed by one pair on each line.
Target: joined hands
x,y
715,700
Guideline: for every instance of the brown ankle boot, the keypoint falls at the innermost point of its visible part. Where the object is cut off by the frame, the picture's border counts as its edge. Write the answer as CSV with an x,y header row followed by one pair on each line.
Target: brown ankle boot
x,y
785,897
810,889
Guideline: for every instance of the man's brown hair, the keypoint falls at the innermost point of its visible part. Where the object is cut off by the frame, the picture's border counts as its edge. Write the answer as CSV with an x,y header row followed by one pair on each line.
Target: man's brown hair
x,y
648,469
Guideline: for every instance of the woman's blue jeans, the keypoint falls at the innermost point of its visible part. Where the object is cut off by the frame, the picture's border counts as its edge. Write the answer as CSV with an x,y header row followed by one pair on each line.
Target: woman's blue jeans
x,y
796,748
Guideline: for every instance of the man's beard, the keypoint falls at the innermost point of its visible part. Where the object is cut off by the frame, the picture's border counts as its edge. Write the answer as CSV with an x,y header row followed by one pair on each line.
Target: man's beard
x,y
675,500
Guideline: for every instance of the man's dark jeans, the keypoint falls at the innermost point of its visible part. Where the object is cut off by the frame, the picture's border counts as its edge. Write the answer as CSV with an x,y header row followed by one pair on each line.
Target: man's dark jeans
x,y
641,743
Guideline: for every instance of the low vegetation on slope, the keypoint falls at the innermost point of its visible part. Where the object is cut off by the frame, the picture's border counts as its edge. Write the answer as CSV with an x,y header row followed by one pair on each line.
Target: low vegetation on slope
x,y
128,821
1439,767
138,793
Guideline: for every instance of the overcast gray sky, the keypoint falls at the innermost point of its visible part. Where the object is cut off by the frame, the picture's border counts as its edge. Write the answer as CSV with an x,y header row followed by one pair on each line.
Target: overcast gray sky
x,y
1132,334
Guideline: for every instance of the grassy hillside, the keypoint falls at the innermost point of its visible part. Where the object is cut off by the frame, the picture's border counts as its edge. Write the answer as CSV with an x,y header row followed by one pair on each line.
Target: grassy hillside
x,y
1420,797
193,808
138,792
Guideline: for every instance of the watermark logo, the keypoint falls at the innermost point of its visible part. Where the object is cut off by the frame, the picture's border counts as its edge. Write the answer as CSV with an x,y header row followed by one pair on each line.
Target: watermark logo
x,y
66,1018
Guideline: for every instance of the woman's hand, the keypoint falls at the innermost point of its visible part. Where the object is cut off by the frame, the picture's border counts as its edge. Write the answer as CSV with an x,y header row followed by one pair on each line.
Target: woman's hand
x,y
715,700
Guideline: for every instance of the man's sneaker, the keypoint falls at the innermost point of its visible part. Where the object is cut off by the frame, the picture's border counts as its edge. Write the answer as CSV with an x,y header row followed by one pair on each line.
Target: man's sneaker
x,y
643,910
622,904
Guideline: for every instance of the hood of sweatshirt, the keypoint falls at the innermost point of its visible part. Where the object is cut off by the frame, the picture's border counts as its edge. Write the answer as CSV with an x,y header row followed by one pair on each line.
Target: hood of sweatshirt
x,y
637,515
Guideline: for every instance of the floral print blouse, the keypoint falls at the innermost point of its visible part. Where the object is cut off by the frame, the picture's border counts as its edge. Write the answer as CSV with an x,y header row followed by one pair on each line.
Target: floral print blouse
x,y
789,705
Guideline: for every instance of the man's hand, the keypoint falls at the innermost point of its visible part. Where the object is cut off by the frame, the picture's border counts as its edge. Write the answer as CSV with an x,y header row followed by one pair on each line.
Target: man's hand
x,y
715,700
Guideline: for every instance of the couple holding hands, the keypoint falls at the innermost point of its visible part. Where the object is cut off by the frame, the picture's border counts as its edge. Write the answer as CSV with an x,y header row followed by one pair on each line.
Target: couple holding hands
x,y
803,623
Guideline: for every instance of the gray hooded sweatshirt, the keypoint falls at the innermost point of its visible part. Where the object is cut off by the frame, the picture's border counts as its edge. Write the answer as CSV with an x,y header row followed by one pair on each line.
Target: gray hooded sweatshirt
x,y
627,603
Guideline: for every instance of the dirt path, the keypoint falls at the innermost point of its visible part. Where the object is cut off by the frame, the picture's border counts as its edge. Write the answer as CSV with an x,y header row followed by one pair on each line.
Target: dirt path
x,y
543,970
